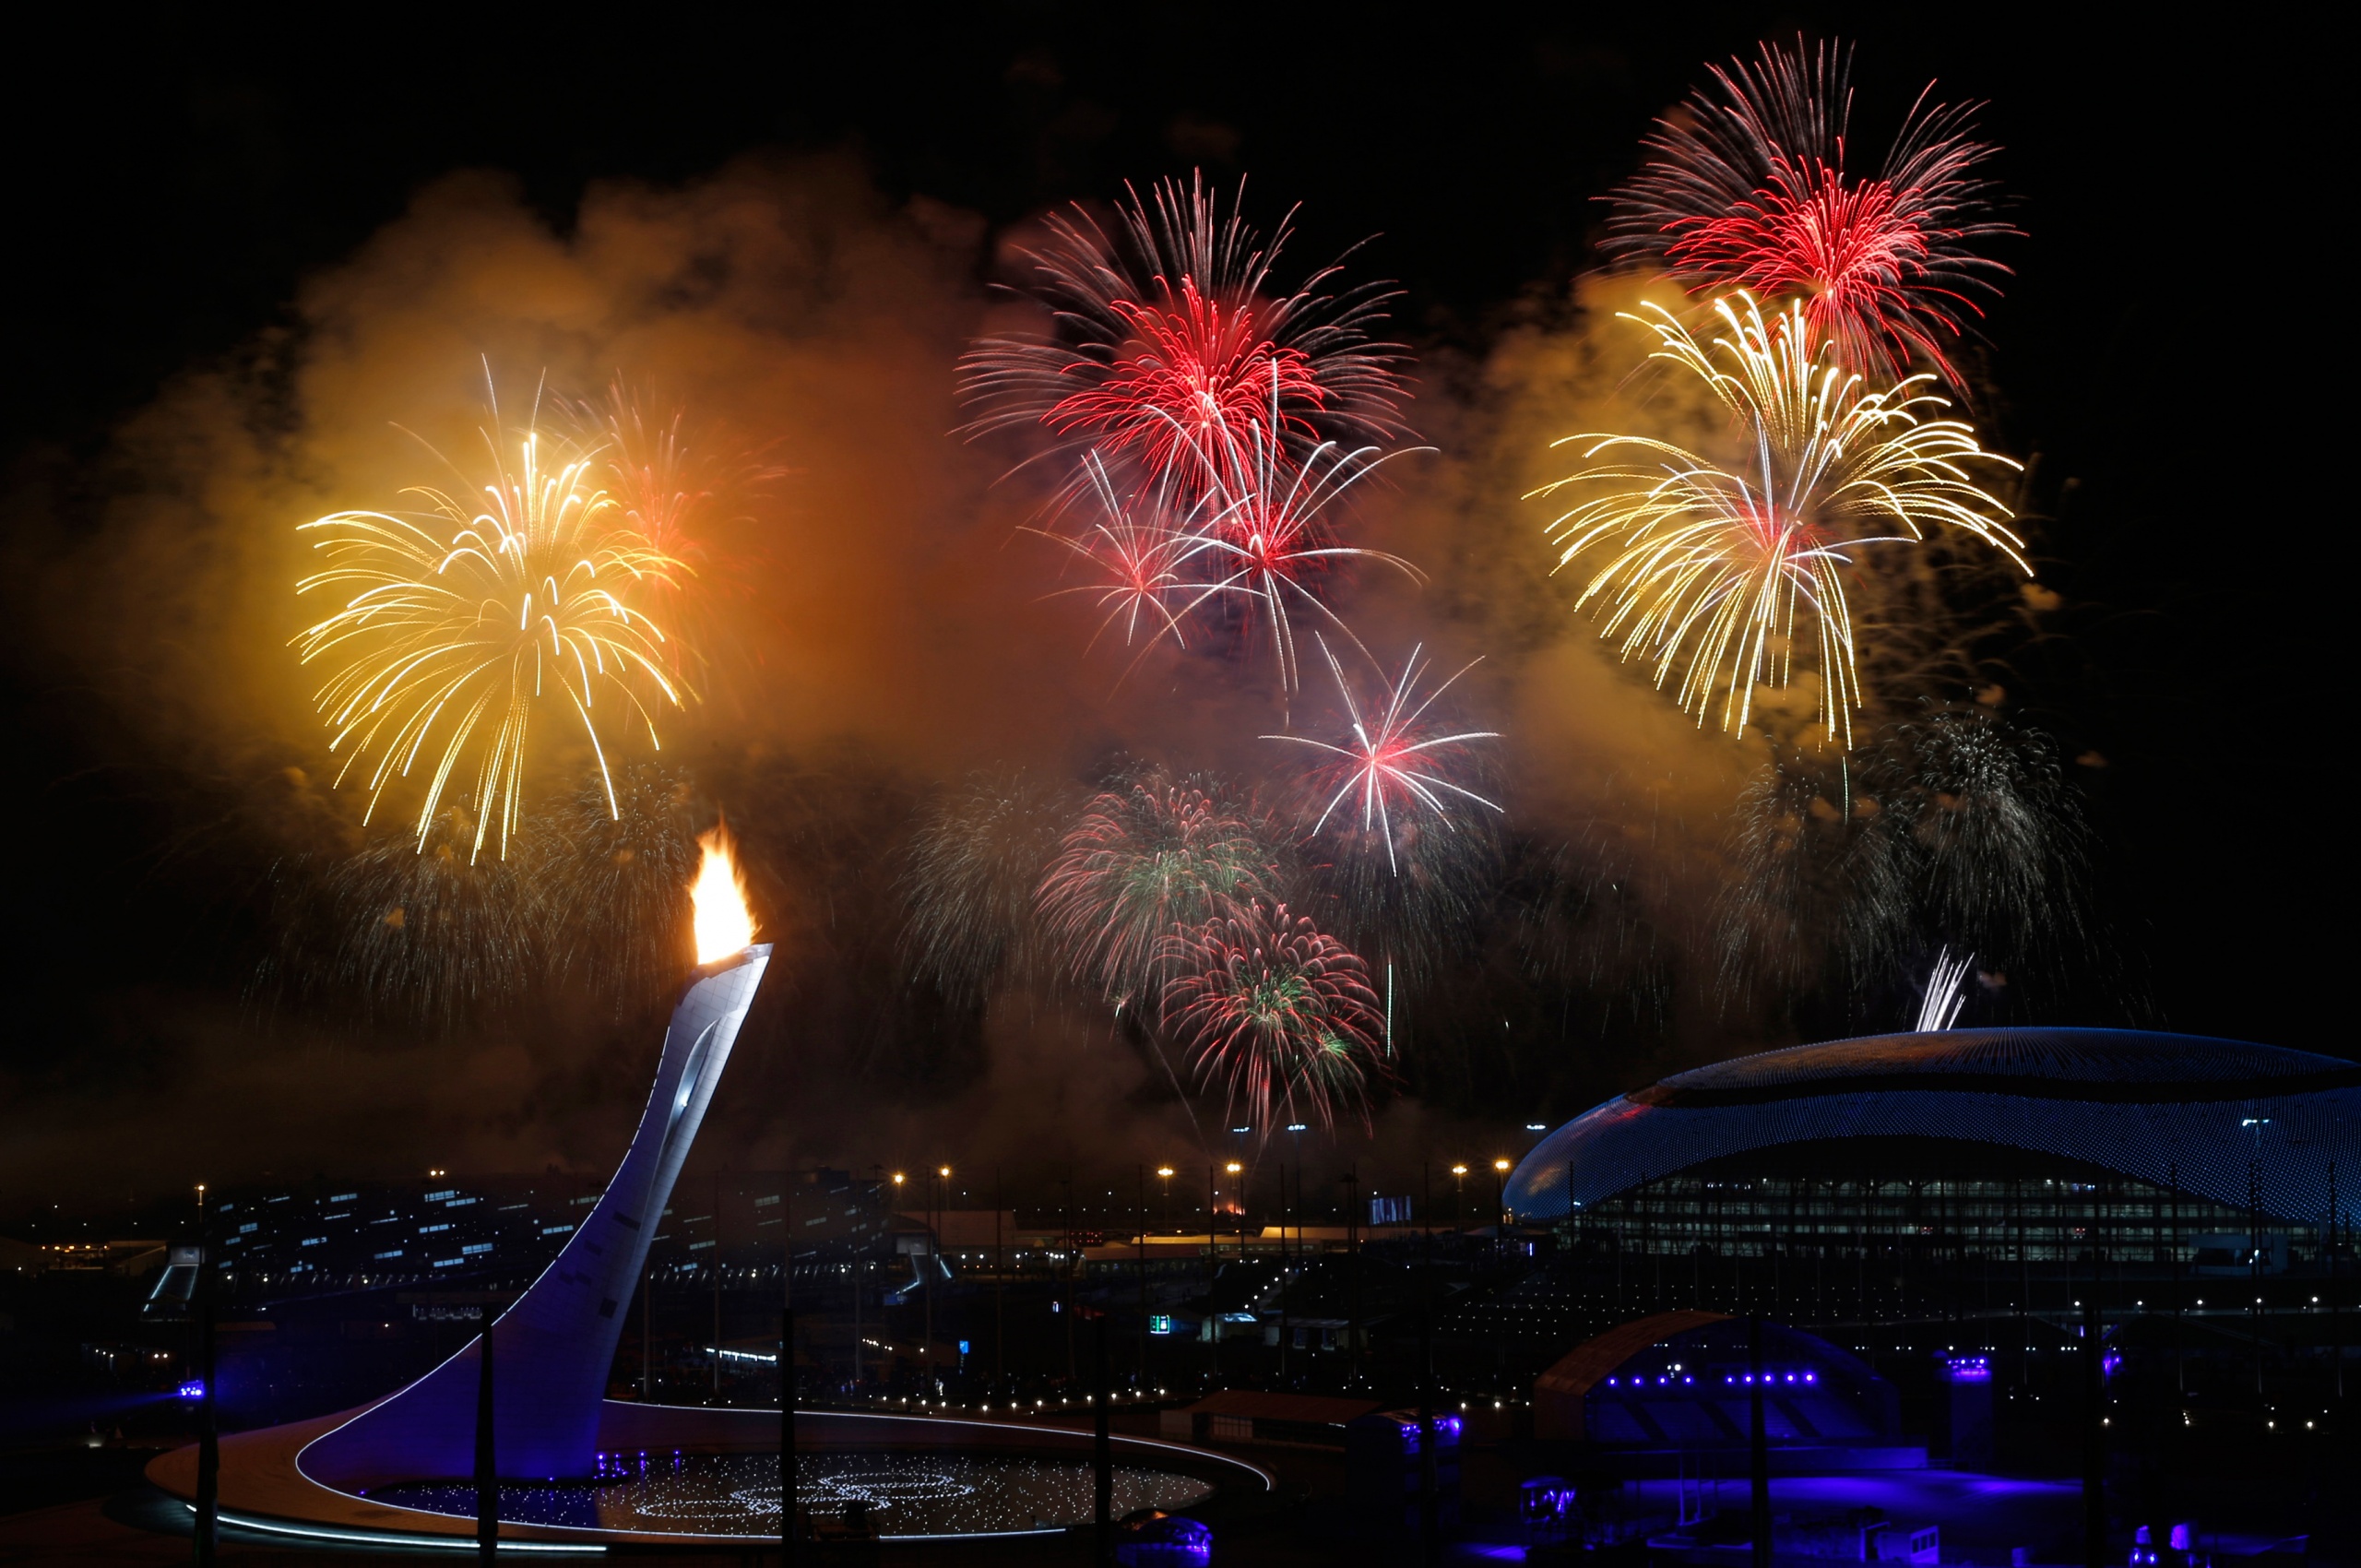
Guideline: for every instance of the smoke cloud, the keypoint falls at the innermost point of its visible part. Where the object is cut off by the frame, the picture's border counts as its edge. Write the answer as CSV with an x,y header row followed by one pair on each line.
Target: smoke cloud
x,y
883,628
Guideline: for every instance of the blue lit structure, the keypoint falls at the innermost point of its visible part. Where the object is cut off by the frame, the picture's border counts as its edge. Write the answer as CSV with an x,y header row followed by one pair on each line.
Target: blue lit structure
x,y
1683,1381
2191,1114
553,1349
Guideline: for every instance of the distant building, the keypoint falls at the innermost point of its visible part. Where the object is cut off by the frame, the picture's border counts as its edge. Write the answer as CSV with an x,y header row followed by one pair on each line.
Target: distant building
x,y
2043,1147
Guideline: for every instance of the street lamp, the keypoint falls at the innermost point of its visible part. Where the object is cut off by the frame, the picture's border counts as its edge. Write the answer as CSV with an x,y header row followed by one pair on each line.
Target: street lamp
x,y
1164,1174
1234,1168
1459,1201
1500,1204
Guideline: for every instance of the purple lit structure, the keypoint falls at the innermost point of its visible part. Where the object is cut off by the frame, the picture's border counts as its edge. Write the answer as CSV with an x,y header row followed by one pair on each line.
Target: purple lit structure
x,y
1968,1380
554,1346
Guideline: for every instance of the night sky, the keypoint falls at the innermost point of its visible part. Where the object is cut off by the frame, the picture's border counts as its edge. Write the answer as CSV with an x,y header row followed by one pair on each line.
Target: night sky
x,y
2167,349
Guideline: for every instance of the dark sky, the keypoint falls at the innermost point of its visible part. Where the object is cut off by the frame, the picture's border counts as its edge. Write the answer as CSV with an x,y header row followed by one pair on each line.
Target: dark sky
x,y
2163,346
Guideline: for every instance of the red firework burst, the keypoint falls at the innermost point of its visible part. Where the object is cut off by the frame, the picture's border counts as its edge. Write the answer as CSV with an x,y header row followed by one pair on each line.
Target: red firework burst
x,y
1134,561
1391,771
1749,189
1267,541
1281,1014
1167,329
1184,378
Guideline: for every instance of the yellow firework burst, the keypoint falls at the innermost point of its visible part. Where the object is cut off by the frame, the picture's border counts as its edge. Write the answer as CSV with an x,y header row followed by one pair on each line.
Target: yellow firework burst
x,y
1709,572
461,618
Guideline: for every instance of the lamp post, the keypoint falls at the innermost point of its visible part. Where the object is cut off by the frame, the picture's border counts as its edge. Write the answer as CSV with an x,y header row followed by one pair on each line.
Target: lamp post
x,y
1213,1322
1164,1173
1236,1174
208,1427
881,1306
1499,1206
1459,1202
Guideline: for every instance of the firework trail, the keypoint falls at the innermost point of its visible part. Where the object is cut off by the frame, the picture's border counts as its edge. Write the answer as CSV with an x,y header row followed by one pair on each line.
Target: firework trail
x,y
1141,863
1166,334
1281,1014
1954,829
618,881
459,620
1135,559
430,938
685,489
969,879
1748,187
1709,570
1390,770
1269,542
1407,871
1946,992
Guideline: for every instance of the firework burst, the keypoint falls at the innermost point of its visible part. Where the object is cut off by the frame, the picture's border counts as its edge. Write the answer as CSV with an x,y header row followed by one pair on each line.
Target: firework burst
x,y
1135,561
1392,770
1281,1014
1749,188
1269,543
1167,335
1141,863
972,868
1710,572
460,620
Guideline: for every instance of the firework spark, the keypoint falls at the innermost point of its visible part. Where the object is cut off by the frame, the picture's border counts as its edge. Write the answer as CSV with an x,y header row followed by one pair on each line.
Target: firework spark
x,y
1141,863
1392,765
1135,559
1269,541
1709,569
1749,188
1167,335
1280,1013
972,867
1946,992
461,620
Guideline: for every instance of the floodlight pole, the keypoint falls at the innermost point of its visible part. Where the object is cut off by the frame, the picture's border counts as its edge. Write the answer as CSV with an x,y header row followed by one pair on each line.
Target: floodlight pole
x,y
1142,1171
1430,1516
487,1458
1102,1448
208,1425
1758,1445
2093,1430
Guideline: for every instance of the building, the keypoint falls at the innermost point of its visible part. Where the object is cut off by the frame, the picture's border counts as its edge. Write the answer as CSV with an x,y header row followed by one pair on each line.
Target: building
x,y
2039,1147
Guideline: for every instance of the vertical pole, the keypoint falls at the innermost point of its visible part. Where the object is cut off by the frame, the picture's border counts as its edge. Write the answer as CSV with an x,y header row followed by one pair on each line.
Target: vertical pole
x,y
2094,1434
1000,1282
1353,1248
1066,1224
1430,1501
926,1351
2024,1285
647,1287
1142,1171
717,1287
787,1364
2335,1318
487,1460
2180,1372
2254,1253
1213,1320
1285,1258
787,1420
208,1425
1758,1445
1102,1450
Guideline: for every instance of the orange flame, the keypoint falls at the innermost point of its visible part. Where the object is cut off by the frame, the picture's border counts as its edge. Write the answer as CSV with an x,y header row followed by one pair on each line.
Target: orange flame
x,y
724,924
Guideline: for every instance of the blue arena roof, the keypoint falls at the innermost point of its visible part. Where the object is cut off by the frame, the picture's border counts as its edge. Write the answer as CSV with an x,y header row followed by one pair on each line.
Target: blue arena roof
x,y
2158,1106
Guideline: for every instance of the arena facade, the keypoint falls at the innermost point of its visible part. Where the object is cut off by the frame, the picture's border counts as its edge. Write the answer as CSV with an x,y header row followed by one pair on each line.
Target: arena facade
x,y
2042,1146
